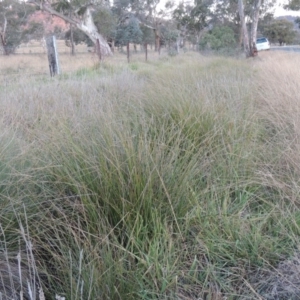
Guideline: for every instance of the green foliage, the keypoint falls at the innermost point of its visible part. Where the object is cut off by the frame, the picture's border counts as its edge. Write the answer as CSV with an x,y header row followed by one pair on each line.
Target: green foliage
x,y
147,35
78,37
199,15
33,30
182,15
297,21
265,21
192,17
63,6
293,5
16,14
129,32
281,31
218,38
225,13
105,21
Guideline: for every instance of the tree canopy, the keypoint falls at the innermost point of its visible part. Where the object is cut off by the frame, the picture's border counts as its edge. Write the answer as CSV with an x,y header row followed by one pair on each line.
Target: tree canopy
x,y
79,14
129,32
13,18
205,23
281,31
219,37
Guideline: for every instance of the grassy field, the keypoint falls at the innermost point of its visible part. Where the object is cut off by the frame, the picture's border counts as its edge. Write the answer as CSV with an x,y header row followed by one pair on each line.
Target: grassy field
x,y
31,60
172,179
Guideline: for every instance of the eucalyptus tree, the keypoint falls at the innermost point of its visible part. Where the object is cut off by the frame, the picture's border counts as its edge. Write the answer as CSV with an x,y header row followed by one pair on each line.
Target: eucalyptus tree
x,y
265,21
154,17
78,13
293,5
14,16
281,31
147,38
243,17
192,19
250,12
129,32
147,12
104,21
171,36
182,16
74,37
150,16
220,37
226,14
244,30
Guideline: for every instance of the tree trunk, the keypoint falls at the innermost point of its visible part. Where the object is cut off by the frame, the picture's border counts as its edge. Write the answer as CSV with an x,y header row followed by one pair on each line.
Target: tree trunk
x,y
127,48
254,24
2,37
197,41
98,49
178,43
157,40
244,28
113,45
6,49
241,37
72,40
88,26
146,51
3,44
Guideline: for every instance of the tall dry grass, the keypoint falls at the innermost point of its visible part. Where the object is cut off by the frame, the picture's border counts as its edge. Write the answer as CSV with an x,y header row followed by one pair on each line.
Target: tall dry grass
x,y
173,179
279,100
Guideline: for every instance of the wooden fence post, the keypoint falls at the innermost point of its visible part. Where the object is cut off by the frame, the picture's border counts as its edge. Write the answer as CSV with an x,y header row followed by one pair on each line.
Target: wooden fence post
x,y
52,55
98,49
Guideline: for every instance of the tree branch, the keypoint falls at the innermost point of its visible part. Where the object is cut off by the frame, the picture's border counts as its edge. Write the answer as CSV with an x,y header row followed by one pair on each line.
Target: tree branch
x,y
144,24
5,24
46,7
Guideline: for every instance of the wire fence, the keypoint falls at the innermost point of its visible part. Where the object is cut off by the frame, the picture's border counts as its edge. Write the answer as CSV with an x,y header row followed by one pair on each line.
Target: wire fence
x,y
39,47
31,59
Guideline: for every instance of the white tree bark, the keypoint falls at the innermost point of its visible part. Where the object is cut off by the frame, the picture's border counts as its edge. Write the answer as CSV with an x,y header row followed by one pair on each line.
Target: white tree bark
x,y
254,24
249,44
2,36
88,26
84,23
244,28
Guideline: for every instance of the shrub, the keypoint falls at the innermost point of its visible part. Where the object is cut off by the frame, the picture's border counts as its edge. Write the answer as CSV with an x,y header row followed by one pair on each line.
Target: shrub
x,y
220,37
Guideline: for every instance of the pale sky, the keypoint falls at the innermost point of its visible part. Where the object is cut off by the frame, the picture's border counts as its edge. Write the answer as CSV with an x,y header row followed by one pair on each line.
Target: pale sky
x,y
282,12
279,11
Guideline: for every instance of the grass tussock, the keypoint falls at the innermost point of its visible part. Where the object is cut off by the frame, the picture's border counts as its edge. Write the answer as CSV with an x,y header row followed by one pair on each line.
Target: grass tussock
x,y
174,179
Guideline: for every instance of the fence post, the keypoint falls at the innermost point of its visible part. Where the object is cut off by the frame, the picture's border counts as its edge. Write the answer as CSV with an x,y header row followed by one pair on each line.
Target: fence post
x,y
98,49
52,55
